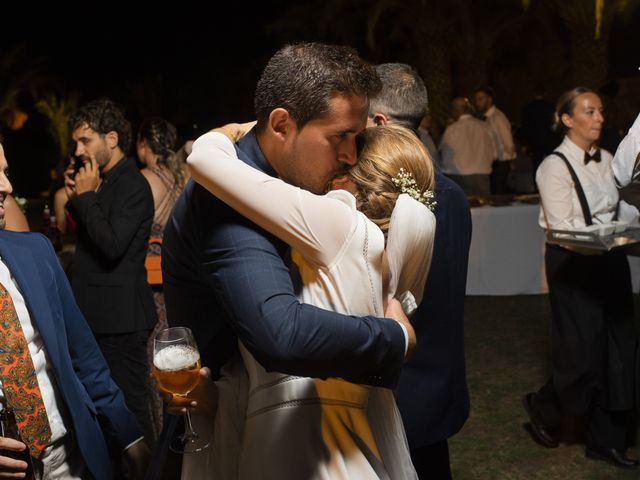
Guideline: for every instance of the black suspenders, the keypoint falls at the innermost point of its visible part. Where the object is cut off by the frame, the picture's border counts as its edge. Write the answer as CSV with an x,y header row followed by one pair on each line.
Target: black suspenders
x,y
581,196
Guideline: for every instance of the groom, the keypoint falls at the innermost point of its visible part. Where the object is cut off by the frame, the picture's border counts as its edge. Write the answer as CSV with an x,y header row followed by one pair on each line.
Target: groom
x,y
226,278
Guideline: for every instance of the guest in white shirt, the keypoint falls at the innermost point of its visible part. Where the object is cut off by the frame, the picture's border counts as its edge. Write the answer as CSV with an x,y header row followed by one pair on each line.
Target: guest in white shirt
x,y
467,150
593,340
501,130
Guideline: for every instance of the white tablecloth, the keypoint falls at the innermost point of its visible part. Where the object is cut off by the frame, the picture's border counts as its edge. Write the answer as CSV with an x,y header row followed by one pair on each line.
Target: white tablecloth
x,y
507,252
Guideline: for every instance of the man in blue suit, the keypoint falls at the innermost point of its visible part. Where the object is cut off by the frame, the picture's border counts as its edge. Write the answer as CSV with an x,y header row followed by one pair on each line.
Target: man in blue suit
x,y
432,393
226,278
86,415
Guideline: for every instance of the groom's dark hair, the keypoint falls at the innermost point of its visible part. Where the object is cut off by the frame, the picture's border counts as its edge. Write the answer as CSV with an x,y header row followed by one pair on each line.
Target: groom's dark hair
x,y
302,79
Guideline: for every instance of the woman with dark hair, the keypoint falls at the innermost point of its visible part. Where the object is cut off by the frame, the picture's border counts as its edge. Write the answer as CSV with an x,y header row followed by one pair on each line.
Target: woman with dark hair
x,y
593,340
155,147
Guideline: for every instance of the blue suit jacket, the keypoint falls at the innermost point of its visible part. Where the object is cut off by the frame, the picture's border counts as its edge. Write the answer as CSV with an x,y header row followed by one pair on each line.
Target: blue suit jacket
x,y
225,278
94,404
432,393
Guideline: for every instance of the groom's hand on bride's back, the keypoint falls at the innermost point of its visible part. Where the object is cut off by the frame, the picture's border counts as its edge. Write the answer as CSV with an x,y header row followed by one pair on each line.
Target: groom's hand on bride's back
x,y
394,311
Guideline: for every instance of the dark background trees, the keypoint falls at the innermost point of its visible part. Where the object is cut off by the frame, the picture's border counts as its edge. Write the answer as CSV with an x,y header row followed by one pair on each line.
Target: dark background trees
x,y
197,66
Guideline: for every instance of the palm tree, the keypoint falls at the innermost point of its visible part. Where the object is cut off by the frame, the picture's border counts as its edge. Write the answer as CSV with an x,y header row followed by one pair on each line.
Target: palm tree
x,y
58,110
480,29
414,31
423,31
334,21
589,24
458,44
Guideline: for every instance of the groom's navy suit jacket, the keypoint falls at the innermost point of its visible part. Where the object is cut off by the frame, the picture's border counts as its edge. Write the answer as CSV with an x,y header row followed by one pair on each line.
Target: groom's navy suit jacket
x,y
432,393
97,415
225,278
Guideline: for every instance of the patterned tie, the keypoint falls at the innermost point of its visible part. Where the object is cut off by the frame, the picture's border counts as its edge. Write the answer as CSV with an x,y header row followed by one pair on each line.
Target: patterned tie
x,y
19,380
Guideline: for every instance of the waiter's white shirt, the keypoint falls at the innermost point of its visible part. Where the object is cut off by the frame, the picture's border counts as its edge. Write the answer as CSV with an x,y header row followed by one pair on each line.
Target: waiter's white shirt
x,y
559,204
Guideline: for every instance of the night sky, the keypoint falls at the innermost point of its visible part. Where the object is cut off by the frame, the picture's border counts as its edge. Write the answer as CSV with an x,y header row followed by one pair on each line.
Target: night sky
x,y
195,67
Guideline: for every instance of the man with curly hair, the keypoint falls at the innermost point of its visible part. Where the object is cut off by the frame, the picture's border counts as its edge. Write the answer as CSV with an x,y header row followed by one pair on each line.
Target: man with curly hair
x,y
112,204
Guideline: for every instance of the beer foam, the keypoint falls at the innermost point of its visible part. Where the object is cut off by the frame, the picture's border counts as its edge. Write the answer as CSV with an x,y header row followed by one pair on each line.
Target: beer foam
x,y
175,357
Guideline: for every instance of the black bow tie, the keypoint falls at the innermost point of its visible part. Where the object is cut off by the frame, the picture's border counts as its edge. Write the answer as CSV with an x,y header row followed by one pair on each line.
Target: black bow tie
x,y
595,157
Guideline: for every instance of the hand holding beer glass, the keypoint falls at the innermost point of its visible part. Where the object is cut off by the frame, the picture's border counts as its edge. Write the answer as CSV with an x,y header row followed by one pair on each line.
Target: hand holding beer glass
x,y
176,368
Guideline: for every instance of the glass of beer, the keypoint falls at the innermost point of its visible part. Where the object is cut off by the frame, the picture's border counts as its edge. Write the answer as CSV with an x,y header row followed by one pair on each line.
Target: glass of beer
x,y
176,368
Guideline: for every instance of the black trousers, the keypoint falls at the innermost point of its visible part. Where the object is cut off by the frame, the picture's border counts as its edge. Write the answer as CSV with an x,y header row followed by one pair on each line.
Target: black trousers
x,y
432,462
126,355
593,344
605,428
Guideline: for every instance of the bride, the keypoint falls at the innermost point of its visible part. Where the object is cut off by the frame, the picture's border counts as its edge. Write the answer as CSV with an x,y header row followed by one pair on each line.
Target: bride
x,y
368,239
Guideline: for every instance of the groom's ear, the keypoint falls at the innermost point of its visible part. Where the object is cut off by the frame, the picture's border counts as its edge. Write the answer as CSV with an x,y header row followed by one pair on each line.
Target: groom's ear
x,y
280,123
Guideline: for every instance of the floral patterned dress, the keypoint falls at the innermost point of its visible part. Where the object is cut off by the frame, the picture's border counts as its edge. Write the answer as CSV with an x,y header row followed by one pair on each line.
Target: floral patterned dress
x,y
160,217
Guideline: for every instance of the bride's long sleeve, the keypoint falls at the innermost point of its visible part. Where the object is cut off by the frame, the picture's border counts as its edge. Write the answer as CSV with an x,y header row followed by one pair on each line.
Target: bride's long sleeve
x,y
315,225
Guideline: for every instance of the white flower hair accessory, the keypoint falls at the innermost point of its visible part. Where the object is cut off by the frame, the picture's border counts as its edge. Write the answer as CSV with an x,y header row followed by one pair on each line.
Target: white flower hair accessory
x,y
407,184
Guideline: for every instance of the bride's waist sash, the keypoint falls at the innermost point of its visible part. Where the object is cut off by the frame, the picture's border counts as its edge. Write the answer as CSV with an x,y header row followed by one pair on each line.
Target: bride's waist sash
x,y
287,391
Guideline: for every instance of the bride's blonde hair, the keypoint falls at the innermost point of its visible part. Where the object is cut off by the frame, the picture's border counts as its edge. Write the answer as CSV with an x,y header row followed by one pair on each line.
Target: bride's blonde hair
x,y
382,152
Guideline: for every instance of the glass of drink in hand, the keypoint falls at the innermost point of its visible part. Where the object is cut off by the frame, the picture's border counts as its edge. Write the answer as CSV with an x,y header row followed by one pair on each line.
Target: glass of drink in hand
x,y
176,367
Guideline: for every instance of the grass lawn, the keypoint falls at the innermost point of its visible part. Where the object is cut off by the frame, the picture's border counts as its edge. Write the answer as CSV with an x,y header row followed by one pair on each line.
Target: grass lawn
x,y
507,349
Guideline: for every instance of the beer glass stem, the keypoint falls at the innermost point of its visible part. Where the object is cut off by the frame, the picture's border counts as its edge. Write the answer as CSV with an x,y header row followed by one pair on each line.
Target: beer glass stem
x,y
189,441
190,433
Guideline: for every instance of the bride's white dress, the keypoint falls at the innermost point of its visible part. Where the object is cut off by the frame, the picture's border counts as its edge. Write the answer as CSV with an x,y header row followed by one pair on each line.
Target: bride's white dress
x,y
299,428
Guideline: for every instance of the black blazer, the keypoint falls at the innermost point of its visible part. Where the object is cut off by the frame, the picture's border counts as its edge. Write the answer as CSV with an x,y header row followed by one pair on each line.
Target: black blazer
x,y
108,277
432,394
224,277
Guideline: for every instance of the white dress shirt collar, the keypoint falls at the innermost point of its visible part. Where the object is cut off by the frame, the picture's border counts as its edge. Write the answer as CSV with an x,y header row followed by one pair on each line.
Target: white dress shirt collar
x,y
575,150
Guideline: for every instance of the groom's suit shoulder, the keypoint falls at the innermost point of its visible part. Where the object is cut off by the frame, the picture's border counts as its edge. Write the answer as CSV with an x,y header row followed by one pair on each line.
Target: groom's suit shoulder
x,y
208,248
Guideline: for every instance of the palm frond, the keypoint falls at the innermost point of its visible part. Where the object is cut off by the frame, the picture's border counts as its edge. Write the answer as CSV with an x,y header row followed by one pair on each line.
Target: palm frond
x,y
58,110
